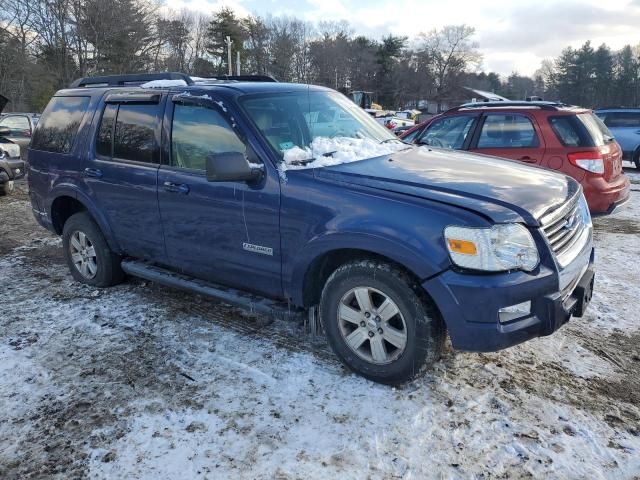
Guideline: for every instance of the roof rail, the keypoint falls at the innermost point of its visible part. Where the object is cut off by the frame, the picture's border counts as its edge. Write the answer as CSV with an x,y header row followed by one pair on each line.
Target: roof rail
x,y
616,108
235,78
540,104
543,105
132,79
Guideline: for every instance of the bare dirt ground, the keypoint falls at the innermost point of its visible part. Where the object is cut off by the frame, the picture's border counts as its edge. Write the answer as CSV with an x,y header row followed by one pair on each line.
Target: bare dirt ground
x,y
140,381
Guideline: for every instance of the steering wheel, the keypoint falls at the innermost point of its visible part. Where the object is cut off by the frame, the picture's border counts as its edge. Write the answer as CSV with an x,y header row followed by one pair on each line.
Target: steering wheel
x,y
436,142
339,133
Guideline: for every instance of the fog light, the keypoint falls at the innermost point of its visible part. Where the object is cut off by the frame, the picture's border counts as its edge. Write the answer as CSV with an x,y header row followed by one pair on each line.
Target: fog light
x,y
512,312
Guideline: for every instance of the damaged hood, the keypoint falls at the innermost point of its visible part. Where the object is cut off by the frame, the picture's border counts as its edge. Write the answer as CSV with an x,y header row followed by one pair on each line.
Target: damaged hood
x,y
503,190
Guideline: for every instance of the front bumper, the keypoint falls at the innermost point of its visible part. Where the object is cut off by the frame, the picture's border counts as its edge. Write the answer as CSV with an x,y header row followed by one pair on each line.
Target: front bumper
x,y
13,167
470,305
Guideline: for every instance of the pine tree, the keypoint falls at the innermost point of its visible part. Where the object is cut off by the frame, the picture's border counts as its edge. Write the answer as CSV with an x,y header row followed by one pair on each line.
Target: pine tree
x,y
225,23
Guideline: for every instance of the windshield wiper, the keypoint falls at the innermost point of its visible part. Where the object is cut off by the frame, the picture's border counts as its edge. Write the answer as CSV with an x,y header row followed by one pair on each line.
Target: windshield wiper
x,y
309,160
301,162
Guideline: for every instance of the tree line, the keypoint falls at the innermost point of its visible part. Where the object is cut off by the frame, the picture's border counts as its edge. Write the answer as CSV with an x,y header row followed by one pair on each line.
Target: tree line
x,y
45,44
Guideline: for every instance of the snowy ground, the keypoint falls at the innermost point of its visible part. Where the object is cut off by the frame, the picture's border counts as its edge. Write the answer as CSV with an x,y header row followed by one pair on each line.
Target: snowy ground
x,y
140,381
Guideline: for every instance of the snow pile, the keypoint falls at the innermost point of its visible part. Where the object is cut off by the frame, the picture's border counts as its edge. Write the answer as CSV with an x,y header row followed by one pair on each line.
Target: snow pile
x,y
142,381
189,95
325,152
164,83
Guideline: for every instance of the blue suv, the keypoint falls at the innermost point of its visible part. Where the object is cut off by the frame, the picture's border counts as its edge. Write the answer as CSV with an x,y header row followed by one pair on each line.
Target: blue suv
x,y
289,199
624,124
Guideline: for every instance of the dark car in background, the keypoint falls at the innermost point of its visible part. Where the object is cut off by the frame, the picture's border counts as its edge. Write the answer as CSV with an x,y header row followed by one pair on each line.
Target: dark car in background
x,y
624,124
564,138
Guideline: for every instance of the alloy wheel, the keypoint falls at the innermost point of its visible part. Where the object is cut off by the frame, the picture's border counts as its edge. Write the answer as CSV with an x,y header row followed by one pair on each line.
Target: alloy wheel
x,y
372,325
83,255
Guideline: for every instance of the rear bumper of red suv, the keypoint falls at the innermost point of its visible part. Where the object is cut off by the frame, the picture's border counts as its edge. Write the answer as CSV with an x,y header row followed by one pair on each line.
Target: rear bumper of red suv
x,y
604,197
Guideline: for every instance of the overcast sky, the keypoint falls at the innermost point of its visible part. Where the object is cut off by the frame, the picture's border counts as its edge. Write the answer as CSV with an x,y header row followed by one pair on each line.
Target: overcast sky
x,y
513,35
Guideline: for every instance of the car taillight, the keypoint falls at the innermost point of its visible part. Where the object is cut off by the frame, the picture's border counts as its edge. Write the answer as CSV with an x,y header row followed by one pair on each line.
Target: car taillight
x,y
590,161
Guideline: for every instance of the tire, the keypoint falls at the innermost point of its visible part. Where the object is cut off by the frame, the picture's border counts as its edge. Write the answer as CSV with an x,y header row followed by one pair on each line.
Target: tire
x,y
416,320
6,185
636,159
88,255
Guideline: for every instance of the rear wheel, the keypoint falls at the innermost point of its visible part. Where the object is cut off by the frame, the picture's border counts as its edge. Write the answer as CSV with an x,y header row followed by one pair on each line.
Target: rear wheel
x,y
88,255
379,324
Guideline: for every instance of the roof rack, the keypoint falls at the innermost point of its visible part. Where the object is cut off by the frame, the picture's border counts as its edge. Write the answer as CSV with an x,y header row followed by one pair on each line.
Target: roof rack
x,y
544,105
135,79
128,79
235,78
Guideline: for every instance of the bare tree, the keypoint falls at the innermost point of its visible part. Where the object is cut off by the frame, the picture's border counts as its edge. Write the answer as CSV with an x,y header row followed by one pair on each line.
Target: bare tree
x,y
451,51
15,20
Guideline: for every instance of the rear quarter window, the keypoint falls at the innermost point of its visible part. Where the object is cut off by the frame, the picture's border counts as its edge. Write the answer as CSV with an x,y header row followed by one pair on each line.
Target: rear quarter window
x,y
58,125
581,130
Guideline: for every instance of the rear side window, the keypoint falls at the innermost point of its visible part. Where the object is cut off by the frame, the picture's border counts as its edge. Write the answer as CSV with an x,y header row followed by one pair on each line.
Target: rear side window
x,y
134,135
59,124
507,131
582,130
104,142
127,132
622,119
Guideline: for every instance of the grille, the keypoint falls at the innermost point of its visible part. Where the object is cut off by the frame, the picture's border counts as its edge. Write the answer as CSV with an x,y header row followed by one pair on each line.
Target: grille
x,y
564,227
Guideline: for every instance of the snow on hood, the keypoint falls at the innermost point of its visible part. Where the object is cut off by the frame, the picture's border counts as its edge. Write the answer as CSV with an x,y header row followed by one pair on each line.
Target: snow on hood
x,y
164,83
325,152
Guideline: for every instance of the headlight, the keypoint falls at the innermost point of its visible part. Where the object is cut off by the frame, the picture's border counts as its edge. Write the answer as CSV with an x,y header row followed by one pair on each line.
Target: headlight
x,y
583,209
495,249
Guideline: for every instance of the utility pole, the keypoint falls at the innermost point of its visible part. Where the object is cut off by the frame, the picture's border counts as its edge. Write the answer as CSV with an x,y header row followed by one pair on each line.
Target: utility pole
x,y
238,62
228,41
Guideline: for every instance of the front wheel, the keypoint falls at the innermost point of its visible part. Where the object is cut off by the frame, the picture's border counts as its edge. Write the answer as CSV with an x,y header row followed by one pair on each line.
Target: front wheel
x,y
6,185
379,323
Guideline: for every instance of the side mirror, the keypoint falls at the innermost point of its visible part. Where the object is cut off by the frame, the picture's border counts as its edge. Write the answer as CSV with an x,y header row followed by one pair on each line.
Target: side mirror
x,y
5,131
231,167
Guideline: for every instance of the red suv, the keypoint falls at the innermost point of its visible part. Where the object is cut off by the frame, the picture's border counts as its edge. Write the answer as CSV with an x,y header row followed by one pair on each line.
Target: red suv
x,y
560,137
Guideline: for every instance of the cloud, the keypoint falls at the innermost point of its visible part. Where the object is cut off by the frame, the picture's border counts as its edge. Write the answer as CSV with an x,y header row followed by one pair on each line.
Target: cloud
x,y
513,36
207,6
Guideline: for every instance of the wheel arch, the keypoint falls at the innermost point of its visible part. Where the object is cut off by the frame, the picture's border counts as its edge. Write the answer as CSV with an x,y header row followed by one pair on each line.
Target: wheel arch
x,y
314,267
68,201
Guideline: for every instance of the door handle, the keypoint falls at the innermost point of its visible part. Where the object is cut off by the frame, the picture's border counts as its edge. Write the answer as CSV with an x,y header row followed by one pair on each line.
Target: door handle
x,y
93,172
528,159
176,187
